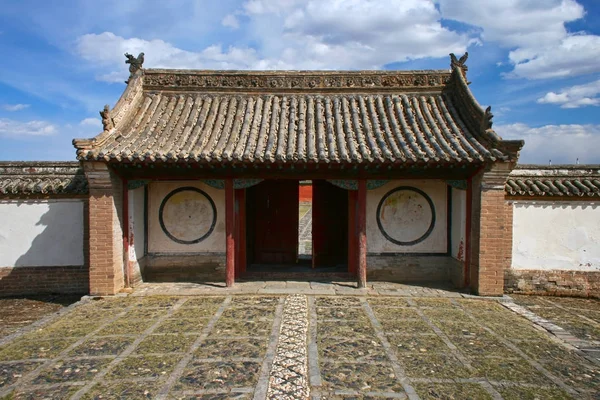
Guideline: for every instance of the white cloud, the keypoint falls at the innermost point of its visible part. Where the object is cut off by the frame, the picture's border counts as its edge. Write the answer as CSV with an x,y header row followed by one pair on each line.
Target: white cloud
x,y
341,34
95,122
575,96
16,129
230,21
534,32
270,6
14,107
563,144
576,54
107,49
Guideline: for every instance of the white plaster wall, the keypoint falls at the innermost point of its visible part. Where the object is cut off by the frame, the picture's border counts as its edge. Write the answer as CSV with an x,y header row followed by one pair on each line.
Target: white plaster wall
x,y
459,223
556,236
36,233
159,242
436,242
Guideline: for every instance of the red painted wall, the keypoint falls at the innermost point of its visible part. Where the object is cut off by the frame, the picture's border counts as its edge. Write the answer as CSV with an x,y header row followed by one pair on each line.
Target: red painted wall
x,y
305,193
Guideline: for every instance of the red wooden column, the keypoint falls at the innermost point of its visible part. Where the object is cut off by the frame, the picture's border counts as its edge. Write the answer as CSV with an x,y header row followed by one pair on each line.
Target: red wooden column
x,y
361,231
229,233
240,231
467,269
352,242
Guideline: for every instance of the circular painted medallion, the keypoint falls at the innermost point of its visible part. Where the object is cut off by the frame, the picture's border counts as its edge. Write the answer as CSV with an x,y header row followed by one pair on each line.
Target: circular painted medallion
x,y
405,216
187,215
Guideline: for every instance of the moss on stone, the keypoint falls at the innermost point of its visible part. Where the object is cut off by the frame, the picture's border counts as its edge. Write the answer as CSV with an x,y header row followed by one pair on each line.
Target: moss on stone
x,y
24,348
144,367
168,343
98,346
451,391
232,348
123,391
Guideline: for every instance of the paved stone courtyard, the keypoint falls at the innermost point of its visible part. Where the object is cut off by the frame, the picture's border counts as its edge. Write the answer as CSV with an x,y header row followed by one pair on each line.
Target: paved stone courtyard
x,y
299,346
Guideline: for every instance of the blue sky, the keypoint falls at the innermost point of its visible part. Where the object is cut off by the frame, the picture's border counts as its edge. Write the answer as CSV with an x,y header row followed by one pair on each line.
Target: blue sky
x,y
536,62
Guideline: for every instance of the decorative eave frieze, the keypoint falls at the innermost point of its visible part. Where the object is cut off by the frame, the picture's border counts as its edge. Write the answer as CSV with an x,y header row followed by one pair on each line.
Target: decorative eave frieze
x,y
160,79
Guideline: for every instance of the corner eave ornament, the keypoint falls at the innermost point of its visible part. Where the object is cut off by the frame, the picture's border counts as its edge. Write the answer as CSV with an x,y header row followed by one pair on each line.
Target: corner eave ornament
x,y
460,63
486,122
135,64
107,121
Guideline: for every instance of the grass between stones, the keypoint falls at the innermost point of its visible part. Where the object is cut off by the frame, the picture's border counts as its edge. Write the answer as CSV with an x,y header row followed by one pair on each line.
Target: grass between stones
x,y
509,369
451,391
71,371
126,326
444,366
182,325
255,301
24,348
351,349
56,392
218,375
236,327
352,357
102,346
405,326
385,313
425,343
345,329
123,390
532,393
388,302
10,373
166,343
360,377
341,313
147,366
337,302
249,313
232,348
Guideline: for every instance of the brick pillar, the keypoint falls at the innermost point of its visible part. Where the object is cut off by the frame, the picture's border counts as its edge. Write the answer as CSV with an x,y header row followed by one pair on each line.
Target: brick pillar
x,y
105,229
491,230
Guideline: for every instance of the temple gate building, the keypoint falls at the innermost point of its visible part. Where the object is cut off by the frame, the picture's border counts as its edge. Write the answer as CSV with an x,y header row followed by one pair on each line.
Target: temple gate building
x,y
196,174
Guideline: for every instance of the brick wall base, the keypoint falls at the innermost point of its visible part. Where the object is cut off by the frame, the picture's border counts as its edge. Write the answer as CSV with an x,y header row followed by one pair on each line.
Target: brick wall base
x,y
406,268
197,267
43,280
553,283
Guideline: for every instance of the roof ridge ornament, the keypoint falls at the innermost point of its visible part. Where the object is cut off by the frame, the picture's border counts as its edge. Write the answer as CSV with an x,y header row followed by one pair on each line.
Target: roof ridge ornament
x,y
135,64
108,122
460,63
486,121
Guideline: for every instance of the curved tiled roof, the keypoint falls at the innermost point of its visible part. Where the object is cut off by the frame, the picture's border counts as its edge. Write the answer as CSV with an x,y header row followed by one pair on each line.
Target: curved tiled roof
x,y
287,117
554,181
26,178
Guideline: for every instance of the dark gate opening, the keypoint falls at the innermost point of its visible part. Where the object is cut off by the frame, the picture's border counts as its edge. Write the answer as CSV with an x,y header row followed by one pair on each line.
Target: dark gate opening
x,y
272,223
273,234
329,226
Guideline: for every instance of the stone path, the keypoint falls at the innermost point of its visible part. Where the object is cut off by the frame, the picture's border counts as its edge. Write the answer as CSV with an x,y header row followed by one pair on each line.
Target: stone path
x,y
574,321
315,288
305,233
293,347
289,373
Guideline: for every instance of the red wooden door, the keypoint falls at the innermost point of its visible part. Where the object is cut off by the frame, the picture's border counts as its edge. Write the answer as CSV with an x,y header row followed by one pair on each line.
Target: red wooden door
x,y
273,205
329,225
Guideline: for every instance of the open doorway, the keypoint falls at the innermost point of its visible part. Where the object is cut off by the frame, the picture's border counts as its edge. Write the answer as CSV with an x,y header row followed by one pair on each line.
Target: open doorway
x,y
329,226
297,226
305,223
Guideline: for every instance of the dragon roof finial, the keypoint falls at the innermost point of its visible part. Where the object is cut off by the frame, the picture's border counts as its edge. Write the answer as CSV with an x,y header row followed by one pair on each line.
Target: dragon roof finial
x,y
135,64
460,63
